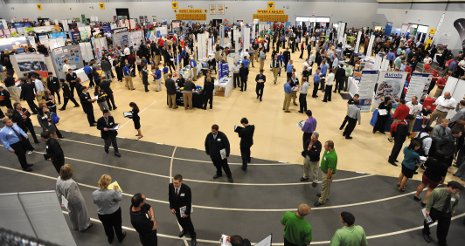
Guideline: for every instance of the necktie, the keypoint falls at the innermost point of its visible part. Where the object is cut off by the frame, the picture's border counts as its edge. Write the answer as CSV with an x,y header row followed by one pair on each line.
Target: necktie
x,y
447,207
177,191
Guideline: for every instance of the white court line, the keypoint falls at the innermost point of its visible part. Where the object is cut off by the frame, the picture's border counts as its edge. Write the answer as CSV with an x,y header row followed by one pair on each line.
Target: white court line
x,y
176,158
127,122
226,208
389,234
202,181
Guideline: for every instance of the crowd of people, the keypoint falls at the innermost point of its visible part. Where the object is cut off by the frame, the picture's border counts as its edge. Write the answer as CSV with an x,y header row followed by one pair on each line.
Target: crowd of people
x,y
437,146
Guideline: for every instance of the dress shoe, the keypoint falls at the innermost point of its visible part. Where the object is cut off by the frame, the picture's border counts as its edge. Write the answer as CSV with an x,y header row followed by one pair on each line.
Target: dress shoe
x,y
427,238
244,168
62,109
348,137
76,106
30,165
88,227
92,125
27,169
422,204
193,242
123,237
317,204
114,108
340,128
117,154
231,180
182,233
416,198
393,163
217,176
106,151
314,184
304,179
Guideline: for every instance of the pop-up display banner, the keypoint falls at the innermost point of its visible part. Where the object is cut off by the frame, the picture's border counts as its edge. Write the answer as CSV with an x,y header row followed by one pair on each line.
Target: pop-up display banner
x,y
366,88
418,85
390,84
70,52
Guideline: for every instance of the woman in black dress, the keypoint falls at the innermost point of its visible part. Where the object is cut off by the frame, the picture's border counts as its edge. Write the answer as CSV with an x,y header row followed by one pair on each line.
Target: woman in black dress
x,y
136,119
382,119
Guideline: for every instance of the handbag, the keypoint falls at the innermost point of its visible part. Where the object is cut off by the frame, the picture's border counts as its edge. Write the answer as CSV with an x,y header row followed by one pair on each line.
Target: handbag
x,y
55,119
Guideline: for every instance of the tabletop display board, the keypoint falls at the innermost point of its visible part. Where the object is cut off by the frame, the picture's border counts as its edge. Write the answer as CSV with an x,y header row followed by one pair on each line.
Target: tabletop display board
x,y
28,62
70,52
99,44
136,38
366,88
121,38
86,51
12,43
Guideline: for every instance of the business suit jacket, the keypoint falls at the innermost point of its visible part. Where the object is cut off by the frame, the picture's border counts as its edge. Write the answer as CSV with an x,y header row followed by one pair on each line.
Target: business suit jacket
x,y
183,199
53,150
213,146
246,135
18,119
105,85
53,84
28,91
101,123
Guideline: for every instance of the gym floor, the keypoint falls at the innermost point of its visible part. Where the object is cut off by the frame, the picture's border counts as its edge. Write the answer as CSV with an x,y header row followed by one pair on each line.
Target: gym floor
x,y
251,207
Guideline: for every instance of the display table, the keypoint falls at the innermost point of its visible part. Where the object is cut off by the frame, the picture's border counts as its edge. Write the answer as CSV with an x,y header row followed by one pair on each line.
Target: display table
x,y
197,99
416,127
187,72
353,86
224,87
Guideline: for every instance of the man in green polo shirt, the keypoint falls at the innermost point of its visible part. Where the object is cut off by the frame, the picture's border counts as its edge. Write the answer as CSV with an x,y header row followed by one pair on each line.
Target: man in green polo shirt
x,y
350,234
328,169
297,231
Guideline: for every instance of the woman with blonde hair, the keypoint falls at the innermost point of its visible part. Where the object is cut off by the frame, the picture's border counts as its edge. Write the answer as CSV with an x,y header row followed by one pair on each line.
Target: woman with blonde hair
x,y
108,208
68,188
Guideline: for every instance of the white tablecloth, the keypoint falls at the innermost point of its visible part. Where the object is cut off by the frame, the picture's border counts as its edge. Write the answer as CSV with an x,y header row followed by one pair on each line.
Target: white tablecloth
x,y
226,84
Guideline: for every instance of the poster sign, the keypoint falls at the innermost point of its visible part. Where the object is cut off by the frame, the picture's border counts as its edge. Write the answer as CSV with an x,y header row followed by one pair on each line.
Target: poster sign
x,y
390,84
418,86
28,62
366,88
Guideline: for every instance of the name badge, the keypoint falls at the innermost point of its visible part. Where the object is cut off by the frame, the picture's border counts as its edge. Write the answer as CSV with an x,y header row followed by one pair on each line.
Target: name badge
x,y
452,200
218,139
111,123
182,194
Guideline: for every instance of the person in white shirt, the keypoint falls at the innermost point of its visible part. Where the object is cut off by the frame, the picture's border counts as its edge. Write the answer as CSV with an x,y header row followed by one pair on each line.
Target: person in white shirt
x,y
415,109
127,51
303,95
66,66
236,77
329,85
40,89
443,105
426,141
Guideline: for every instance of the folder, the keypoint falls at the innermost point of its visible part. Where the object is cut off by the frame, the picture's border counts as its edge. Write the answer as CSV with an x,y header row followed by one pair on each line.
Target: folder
x,y
127,114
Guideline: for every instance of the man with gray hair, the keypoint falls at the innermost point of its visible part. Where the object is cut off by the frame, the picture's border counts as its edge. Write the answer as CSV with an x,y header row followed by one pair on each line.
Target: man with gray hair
x,y
311,159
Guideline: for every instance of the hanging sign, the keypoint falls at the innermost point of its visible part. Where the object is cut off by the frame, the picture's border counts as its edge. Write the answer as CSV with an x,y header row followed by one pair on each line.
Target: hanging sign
x,y
174,5
270,5
101,5
39,6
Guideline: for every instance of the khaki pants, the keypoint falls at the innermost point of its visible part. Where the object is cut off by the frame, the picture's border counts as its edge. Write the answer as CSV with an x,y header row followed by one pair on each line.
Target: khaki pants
x,y
294,97
438,92
311,167
437,116
157,60
39,96
128,82
194,74
287,101
275,73
158,85
187,97
262,63
252,60
325,188
14,93
172,101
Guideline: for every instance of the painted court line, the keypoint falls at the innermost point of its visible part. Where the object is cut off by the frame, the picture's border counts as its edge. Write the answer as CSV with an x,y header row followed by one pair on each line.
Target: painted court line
x,y
389,234
202,181
226,208
176,158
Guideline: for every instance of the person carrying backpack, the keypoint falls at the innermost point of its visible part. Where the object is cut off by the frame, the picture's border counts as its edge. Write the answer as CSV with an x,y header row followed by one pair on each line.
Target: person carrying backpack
x,y
400,134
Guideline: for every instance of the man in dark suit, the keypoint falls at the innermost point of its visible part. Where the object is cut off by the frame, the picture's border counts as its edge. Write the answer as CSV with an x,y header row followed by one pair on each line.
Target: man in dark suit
x,y
53,151
106,125
218,148
67,95
246,135
86,103
28,93
21,117
53,86
180,198
105,86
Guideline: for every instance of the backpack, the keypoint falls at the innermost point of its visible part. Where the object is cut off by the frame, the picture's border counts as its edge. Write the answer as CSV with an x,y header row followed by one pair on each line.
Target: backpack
x,y
55,119
444,147
420,140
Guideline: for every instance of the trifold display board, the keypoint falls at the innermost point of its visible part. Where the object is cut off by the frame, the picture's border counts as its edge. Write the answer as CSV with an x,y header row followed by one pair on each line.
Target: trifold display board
x,y
456,87
136,38
70,52
35,215
120,37
366,88
28,62
86,51
418,85
202,40
245,38
99,44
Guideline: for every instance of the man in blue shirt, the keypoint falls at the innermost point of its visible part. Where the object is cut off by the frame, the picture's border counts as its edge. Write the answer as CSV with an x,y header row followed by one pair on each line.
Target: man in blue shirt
x,y
127,77
316,82
324,70
287,96
289,68
14,139
193,65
